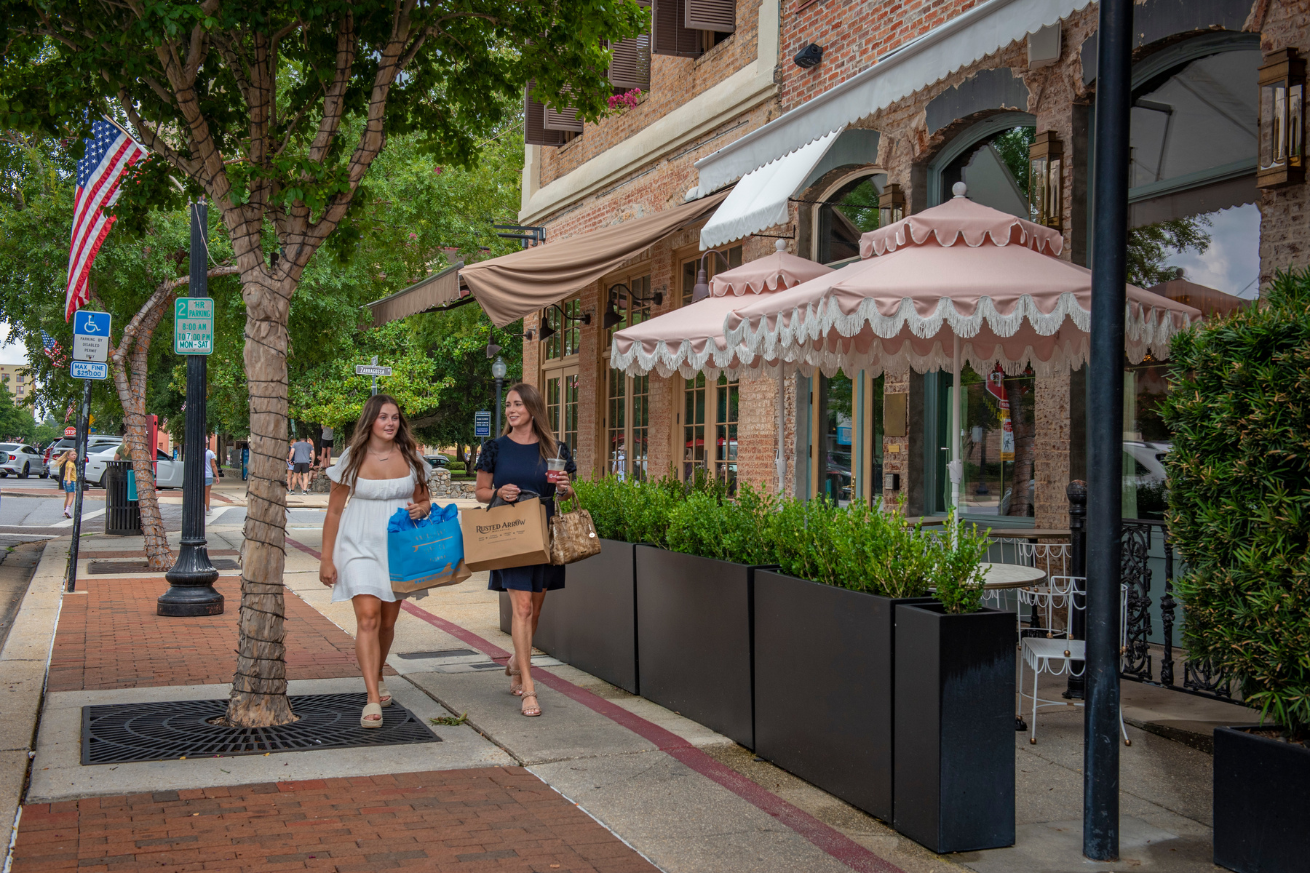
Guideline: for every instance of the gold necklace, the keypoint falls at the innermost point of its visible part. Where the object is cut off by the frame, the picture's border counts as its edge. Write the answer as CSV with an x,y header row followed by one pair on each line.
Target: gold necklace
x,y
380,456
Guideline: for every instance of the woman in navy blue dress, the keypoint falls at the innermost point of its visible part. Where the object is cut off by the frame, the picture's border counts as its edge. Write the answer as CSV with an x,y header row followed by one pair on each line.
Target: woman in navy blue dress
x,y
509,465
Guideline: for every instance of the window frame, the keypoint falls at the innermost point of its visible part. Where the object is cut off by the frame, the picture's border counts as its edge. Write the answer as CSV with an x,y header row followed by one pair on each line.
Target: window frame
x,y
868,171
636,396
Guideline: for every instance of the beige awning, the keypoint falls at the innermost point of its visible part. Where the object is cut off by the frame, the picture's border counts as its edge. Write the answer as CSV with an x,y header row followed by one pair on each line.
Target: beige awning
x,y
512,286
438,290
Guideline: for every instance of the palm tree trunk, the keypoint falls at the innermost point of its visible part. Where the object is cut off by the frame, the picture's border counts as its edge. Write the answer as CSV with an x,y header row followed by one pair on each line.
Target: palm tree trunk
x,y
260,685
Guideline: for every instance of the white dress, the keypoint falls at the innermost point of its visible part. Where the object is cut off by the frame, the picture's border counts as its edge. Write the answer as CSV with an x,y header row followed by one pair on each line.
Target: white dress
x,y
360,552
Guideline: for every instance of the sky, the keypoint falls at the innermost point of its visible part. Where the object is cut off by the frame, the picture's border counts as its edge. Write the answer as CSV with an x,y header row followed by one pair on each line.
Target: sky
x,y
1231,263
10,353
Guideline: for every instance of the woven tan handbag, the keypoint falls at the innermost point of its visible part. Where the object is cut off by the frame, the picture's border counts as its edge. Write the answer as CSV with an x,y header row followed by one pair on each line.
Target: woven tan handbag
x,y
572,535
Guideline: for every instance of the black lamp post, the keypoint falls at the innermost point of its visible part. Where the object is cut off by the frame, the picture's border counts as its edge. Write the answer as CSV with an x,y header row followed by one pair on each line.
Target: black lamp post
x,y
193,576
498,371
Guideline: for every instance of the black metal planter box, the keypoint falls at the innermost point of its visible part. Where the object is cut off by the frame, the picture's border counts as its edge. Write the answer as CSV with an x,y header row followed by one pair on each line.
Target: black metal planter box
x,y
954,753
592,624
694,639
1261,802
824,680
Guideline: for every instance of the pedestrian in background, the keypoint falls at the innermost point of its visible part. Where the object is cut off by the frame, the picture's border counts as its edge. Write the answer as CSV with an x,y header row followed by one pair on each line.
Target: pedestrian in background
x,y
211,473
302,457
66,465
325,460
380,472
509,465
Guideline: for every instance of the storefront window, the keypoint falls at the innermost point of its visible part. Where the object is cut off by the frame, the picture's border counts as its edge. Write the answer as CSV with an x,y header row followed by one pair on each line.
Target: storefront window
x,y
568,329
627,411
836,416
712,266
995,170
1194,223
559,370
846,214
997,445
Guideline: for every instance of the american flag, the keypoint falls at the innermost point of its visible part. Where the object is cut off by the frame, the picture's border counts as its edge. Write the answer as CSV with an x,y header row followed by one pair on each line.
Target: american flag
x,y
109,152
52,349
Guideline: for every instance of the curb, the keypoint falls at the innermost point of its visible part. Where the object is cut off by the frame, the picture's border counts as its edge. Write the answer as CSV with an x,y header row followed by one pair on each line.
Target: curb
x,y
24,663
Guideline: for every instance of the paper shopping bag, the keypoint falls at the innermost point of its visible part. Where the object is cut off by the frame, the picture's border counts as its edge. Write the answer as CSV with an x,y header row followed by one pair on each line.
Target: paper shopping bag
x,y
508,535
428,553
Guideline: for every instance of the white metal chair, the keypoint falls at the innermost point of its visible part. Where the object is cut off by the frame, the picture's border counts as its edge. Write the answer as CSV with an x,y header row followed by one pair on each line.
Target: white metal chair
x,y
1056,657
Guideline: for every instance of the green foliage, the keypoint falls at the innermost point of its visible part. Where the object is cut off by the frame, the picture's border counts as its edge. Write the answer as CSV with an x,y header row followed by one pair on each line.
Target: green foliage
x,y
16,422
1239,496
729,530
1150,246
956,571
631,511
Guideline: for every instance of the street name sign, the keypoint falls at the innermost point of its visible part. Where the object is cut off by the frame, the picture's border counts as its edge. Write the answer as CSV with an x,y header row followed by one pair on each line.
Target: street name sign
x,y
371,370
481,424
193,326
89,370
91,336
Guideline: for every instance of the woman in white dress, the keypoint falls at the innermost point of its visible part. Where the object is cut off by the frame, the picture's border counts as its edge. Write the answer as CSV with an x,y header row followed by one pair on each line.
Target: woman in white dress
x,y
380,472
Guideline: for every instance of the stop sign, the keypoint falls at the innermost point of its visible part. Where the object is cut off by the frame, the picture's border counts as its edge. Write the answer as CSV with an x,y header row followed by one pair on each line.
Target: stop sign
x,y
70,431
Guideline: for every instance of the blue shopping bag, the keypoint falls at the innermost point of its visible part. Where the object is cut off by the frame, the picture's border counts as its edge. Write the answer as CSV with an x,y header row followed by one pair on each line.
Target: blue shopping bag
x,y
427,553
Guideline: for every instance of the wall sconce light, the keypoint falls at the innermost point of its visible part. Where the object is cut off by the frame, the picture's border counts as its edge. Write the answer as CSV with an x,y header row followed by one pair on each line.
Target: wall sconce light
x,y
546,331
809,56
1282,120
612,317
701,289
1045,180
891,205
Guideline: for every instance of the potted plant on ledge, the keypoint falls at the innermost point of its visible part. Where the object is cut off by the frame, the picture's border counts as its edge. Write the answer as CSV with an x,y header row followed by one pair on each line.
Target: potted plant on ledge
x,y
1239,513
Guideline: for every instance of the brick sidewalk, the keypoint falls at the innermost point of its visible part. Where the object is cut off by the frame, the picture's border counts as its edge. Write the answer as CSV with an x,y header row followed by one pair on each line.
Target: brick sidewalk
x,y
502,819
110,637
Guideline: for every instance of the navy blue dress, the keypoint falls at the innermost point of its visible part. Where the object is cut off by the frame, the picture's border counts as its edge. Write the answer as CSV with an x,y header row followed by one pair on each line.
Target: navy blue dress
x,y
512,463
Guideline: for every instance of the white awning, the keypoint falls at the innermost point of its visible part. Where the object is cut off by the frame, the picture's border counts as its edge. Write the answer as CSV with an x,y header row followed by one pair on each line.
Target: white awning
x,y
958,43
760,199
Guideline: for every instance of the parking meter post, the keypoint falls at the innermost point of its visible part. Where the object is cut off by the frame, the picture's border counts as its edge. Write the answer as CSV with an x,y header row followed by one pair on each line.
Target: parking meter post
x,y
79,453
193,576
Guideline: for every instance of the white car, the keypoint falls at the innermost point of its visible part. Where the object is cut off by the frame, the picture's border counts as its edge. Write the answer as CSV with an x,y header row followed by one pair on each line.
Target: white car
x,y
168,473
20,459
96,442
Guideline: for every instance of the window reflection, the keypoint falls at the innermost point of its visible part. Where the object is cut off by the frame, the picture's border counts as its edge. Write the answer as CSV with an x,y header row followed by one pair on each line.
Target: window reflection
x,y
849,212
835,415
1146,441
995,170
998,444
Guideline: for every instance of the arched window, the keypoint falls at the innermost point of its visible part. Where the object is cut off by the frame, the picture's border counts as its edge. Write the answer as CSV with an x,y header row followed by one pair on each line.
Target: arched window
x,y
848,209
991,157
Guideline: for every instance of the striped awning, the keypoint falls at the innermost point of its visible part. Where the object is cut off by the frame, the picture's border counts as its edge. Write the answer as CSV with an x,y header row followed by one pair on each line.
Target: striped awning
x,y
435,292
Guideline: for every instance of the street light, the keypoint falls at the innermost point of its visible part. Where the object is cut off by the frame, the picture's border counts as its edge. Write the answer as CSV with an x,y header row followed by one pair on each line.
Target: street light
x,y
701,289
498,371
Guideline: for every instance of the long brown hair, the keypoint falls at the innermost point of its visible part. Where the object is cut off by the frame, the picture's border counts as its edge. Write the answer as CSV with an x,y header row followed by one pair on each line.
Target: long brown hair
x,y
364,429
536,407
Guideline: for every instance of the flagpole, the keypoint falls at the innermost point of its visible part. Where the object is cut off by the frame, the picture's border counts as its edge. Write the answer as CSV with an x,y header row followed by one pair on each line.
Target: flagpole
x,y
79,451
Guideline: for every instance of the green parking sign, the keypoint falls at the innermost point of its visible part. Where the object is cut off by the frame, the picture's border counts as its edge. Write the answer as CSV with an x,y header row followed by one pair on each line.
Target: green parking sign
x,y
193,326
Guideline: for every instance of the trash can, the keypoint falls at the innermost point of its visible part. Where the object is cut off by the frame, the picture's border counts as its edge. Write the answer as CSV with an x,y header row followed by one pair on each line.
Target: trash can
x,y
122,516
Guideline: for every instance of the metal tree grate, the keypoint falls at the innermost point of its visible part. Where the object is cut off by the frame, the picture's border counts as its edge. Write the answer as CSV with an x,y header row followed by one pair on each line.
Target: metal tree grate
x,y
122,733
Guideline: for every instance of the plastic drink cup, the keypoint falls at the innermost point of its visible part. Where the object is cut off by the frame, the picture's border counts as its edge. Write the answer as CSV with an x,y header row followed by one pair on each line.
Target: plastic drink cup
x,y
555,471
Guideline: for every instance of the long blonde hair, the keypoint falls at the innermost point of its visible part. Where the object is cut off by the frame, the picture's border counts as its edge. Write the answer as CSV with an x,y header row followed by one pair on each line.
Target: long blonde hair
x,y
364,429
536,407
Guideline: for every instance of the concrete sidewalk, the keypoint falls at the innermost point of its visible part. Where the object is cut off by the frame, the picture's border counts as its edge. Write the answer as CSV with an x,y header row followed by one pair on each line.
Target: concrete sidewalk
x,y
678,794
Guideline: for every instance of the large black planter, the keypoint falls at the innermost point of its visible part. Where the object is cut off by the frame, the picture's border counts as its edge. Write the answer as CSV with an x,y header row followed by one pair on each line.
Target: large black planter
x,y
591,623
1261,799
954,754
694,639
824,680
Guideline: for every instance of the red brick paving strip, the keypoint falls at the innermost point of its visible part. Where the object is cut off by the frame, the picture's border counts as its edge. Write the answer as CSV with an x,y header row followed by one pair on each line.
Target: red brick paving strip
x,y
112,638
496,818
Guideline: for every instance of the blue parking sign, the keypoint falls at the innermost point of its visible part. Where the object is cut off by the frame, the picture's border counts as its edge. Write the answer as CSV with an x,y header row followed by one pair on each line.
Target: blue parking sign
x,y
89,323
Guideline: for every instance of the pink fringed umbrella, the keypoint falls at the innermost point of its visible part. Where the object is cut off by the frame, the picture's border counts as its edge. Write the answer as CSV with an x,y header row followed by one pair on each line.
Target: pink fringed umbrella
x,y
956,282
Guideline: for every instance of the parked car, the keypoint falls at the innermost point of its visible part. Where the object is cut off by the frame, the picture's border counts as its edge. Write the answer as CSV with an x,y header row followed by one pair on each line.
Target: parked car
x,y
95,443
437,460
168,473
20,459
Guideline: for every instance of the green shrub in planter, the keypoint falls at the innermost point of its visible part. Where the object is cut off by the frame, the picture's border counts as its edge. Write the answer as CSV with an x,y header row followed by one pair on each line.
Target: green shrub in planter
x,y
630,511
1239,497
735,530
957,568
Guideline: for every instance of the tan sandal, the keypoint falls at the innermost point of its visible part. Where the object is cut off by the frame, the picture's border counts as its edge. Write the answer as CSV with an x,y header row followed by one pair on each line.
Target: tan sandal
x,y
530,711
515,688
384,696
371,709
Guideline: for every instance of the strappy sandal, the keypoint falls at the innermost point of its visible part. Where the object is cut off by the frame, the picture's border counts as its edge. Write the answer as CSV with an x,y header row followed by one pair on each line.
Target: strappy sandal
x,y
530,711
384,696
515,688
371,709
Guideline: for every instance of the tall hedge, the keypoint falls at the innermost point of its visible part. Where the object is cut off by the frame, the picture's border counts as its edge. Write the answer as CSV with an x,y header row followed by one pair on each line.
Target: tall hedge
x,y
1239,499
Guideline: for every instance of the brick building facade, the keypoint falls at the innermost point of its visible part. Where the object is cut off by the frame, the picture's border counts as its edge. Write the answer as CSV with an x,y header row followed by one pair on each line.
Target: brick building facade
x,y
962,119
